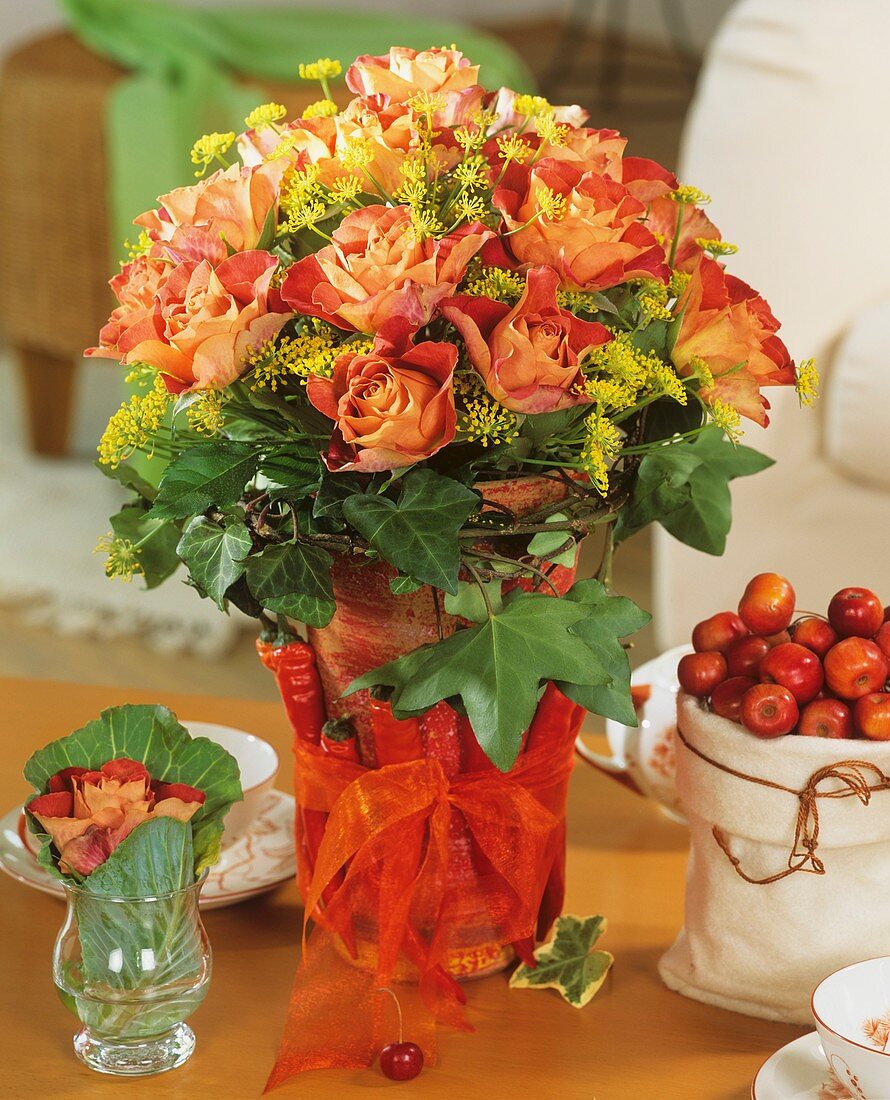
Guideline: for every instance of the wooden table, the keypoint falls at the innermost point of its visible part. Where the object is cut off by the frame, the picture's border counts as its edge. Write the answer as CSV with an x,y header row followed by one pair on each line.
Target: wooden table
x,y
635,1041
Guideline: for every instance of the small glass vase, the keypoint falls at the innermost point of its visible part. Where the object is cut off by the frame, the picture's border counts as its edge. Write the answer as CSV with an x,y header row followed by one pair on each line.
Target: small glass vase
x,y
133,970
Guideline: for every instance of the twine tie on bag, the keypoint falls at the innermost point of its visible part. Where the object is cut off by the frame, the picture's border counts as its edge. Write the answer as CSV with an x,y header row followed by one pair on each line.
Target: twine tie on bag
x,y
802,857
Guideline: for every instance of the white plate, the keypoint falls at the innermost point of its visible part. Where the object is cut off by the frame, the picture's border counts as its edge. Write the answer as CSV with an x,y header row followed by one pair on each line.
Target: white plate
x,y
798,1072
258,862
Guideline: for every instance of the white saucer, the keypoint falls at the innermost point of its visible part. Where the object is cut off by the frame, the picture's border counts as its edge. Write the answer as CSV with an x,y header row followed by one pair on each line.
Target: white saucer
x,y
258,862
798,1072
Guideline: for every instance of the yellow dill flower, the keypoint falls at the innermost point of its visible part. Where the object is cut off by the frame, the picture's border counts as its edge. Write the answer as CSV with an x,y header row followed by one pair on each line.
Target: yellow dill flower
x,y
425,223
122,561
356,154
532,105
610,393
716,248
472,172
550,204
513,147
306,216
469,139
602,442
322,69
141,374
277,361
550,131
690,196
678,284
497,283
663,377
134,425
346,189
265,115
701,372
211,147
654,309
620,359
807,381
427,103
411,191
205,414
577,300
726,417
482,119
486,421
284,147
471,207
142,246
414,169
321,108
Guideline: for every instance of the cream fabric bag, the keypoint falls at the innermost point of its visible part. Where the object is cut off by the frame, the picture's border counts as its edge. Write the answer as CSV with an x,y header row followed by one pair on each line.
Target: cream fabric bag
x,y
762,947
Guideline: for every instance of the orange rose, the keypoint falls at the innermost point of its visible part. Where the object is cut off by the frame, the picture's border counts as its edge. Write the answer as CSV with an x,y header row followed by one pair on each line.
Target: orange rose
x,y
135,286
224,212
376,269
661,218
528,356
598,242
506,117
729,326
399,75
88,813
205,321
392,407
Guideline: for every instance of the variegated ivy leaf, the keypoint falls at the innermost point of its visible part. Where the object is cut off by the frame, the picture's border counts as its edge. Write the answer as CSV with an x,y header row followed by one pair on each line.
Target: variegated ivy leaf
x,y
568,962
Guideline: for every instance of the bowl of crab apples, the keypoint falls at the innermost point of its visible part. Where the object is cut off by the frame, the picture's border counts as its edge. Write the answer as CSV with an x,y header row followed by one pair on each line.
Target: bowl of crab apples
x,y
776,671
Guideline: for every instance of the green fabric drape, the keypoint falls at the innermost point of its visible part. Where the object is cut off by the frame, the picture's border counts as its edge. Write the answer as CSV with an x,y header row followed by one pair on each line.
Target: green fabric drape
x,y
182,62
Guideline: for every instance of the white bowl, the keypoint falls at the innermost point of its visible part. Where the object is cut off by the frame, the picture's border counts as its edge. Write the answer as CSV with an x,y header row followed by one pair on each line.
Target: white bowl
x,y
258,762
851,1007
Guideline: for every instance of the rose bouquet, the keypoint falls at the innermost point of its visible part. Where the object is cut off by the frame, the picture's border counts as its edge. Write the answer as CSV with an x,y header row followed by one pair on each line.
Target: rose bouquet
x,y
398,359
128,813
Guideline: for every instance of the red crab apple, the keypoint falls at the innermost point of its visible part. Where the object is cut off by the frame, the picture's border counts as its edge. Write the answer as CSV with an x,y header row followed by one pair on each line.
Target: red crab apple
x,y
744,656
855,612
767,605
882,639
872,716
794,667
769,710
726,698
700,673
855,667
718,633
826,718
816,634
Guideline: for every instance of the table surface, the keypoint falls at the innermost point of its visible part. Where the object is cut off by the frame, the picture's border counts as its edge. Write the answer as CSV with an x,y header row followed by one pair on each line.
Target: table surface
x,y
634,1041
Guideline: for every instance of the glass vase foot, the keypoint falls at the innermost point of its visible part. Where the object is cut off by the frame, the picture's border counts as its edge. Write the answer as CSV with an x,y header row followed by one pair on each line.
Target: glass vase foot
x,y
135,1058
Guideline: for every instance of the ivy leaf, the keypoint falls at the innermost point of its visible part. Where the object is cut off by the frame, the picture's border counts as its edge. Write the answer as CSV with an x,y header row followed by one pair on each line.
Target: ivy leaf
x,y
205,475
607,619
418,535
497,668
685,488
667,417
293,579
213,554
544,543
468,602
404,586
157,554
294,475
568,962
334,489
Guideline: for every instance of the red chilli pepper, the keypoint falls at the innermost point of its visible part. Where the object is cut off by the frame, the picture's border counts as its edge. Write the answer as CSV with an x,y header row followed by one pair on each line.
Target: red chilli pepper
x,y
298,684
396,740
338,739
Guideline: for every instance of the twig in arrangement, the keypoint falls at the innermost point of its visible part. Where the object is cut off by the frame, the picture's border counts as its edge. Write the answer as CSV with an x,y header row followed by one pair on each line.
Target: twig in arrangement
x,y
471,569
438,612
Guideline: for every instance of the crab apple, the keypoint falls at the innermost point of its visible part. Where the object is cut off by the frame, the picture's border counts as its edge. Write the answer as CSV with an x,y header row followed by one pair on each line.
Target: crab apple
x,y
726,698
826,718
872,716
882,639
816,634
855,613
767,605
769,710
794,667
778,639
718,633
855,667
744,656
700,673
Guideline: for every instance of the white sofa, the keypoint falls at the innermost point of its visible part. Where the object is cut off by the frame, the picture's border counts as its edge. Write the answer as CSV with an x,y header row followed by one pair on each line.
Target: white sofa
x,y
788,132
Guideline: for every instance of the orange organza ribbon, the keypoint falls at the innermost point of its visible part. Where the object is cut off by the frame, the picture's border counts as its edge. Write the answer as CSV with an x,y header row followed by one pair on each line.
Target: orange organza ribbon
x,y
390,830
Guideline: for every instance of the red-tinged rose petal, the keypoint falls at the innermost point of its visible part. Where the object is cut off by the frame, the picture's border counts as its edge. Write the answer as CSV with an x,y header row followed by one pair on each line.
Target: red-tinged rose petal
x,y
61,781
181,791
54,804
125,770
85,853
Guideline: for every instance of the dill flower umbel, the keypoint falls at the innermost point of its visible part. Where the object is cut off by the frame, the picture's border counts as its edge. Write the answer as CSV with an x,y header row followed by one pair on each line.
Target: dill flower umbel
x,y
209,148
122,557
134,426
486,421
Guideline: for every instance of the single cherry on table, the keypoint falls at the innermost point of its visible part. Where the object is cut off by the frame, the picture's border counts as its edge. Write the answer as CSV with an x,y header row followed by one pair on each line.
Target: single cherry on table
x,y
399,1061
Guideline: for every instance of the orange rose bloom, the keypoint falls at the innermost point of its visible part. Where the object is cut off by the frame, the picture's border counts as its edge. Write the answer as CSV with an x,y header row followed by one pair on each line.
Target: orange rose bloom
x,y
528,356
226,211
206,321
376,269
135,286
661,218
402,73
88,813
600,240
392,407
730,327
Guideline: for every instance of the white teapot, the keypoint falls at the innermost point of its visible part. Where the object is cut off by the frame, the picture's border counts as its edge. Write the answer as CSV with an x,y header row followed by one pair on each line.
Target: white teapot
x,y
644,758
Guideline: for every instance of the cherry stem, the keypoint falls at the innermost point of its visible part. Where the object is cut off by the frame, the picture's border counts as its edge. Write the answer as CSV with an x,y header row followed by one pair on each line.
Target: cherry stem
x,y
808,615
386,989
